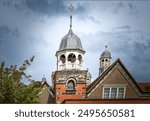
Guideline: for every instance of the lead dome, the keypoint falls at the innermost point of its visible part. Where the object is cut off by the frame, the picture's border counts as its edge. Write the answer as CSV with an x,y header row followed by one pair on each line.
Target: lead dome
x,y
70,41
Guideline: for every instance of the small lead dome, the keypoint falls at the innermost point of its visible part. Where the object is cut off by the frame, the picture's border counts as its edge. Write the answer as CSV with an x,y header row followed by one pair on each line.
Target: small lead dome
x,y
105,54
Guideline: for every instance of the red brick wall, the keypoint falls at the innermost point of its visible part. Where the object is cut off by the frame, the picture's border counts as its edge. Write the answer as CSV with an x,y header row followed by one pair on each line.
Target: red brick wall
x,y
61,78
61,93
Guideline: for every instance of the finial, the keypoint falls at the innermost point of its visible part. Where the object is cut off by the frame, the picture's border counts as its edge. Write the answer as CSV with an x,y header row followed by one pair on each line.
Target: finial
x,y
106,46
70,21
71,8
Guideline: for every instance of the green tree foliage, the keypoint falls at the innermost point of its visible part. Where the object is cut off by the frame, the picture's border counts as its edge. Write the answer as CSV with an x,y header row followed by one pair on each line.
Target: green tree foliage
x,y
12,90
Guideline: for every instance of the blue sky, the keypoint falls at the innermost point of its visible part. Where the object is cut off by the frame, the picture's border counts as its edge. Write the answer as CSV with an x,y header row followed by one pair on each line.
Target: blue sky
x,y
35,27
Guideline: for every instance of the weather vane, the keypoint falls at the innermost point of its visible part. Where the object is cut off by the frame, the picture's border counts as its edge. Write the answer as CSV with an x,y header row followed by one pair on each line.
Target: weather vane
x,y
71,7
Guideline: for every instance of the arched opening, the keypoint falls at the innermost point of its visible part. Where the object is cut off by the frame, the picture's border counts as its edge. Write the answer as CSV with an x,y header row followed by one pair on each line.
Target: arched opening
x,y
63,58
70,85
80,58
72,58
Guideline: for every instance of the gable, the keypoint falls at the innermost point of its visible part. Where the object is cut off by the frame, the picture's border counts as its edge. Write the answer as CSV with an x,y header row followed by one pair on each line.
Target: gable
x,y
46,96
115,76
45,84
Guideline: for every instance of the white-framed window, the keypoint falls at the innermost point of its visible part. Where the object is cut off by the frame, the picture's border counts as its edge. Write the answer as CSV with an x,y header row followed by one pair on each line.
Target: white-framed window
x,y
121,92
113,92
106,93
